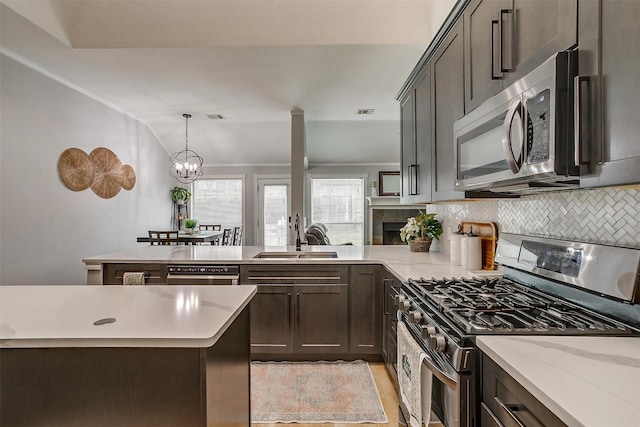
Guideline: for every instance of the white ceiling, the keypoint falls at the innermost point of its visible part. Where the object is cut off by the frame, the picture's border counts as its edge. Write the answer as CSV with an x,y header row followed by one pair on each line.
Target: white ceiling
x,y
252,61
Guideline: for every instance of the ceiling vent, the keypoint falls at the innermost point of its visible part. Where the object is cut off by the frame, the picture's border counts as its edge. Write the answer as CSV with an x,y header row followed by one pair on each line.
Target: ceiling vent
x,y
215,116
366,111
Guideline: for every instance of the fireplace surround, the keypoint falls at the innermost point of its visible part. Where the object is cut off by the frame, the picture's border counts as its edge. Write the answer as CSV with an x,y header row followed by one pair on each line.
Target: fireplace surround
x,y
386,225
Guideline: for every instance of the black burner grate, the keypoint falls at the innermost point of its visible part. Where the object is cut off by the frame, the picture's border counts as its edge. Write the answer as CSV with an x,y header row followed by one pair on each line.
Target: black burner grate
x,y
498,305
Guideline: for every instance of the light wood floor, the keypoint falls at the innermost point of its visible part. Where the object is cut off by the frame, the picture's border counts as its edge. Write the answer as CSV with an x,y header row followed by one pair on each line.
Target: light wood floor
x,y
387,393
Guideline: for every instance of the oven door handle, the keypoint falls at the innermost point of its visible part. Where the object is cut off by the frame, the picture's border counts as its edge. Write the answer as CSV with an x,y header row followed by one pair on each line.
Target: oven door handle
x,y
448,379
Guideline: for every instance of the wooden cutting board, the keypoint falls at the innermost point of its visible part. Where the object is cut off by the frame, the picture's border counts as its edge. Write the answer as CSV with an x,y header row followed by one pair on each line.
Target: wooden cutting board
x,y
488,233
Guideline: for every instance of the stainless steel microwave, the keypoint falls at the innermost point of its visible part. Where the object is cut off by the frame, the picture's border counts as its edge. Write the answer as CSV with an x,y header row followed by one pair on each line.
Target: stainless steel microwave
x,y
522,139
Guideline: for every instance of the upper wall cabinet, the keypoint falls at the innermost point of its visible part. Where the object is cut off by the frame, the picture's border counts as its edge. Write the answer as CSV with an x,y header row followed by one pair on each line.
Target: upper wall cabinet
x,y
506,39
609,39
481,51
415,111
448,105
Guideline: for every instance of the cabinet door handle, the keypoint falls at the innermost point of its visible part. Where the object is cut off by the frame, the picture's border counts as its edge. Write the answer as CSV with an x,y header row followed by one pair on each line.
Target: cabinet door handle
x,y
494,59
578,115
297,308
290,309
512,408
511,49
413,180
491,414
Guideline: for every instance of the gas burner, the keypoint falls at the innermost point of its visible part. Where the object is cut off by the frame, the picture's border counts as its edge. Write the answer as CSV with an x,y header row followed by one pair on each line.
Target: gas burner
x,y
498,305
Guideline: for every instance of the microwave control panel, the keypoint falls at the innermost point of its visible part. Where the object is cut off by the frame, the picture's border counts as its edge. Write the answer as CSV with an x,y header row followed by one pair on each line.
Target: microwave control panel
x,y
538,116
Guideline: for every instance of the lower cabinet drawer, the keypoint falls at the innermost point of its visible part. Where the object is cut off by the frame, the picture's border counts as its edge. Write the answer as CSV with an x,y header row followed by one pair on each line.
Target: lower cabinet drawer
x,y
488,418
334,274
507,403
156,274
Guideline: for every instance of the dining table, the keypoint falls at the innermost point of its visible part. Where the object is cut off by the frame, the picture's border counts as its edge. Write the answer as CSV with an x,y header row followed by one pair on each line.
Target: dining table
x,y
204,236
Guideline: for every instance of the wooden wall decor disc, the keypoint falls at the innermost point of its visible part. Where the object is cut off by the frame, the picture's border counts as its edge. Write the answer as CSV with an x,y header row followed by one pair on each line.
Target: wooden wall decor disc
x,y
127,177
105,182
76,169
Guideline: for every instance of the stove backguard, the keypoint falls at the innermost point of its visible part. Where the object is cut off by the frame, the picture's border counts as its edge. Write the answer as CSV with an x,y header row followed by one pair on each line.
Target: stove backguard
x,y
602,270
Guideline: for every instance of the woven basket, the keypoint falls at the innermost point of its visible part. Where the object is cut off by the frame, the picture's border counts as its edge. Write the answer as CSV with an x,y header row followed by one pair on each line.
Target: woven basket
x,y
420,245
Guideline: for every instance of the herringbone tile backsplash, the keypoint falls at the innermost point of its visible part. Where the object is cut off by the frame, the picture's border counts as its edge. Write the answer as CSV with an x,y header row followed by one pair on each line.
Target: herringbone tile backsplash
x,y
604,216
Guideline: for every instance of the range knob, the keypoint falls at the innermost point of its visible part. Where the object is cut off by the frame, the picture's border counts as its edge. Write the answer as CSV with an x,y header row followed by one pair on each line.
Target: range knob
x,y
415,317
402,303
437,342
427,331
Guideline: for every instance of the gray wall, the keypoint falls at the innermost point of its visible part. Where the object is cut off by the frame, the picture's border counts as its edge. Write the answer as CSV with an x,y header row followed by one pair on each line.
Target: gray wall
x,y
45,228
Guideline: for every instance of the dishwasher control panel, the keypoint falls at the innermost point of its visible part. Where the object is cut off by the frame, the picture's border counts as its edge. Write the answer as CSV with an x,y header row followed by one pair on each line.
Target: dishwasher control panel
x,y
207,270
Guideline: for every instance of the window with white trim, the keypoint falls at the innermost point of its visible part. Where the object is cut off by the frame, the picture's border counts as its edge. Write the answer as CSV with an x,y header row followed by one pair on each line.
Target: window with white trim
x,y
338,203
218,201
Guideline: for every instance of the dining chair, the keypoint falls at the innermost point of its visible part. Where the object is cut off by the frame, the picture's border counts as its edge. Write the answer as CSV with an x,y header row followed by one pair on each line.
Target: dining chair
x,y
237,236
226,237
163,237
213,227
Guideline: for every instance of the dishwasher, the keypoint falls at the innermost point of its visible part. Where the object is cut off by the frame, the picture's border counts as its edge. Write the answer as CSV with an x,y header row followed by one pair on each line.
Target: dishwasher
x,y
203,274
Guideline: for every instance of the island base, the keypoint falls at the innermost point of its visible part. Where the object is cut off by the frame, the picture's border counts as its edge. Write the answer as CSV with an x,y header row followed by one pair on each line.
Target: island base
x,y
129,386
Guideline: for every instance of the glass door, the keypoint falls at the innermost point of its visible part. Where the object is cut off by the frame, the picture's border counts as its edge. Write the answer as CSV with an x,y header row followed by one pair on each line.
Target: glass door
x,y
273,219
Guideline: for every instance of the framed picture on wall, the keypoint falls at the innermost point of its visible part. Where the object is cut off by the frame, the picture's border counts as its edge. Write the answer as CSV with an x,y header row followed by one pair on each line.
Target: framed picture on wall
x,y
389,183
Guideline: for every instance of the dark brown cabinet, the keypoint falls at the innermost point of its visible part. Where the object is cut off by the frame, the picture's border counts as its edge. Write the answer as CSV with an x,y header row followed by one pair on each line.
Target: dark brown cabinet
x,y
429,109
407,148
535,31
390,324
481,52
299,309
448,106
321,313
506,39
366,293
272,319
155,274
609,40
507,403
415,111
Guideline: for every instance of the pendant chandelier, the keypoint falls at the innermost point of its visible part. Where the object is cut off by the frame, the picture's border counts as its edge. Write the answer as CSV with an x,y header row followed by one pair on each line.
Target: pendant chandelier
x,y
186,165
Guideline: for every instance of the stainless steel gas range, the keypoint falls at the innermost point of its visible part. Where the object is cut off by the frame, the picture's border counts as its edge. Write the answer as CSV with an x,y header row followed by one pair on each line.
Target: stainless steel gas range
x,y
548,287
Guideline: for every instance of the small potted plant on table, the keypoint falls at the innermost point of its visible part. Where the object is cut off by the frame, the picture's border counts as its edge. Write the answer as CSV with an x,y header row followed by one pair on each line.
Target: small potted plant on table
x,y
420,231
190,225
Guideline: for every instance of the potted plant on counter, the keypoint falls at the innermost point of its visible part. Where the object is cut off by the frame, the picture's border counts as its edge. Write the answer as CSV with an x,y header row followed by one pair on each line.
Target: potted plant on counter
x,y
420,231
190,225
180,195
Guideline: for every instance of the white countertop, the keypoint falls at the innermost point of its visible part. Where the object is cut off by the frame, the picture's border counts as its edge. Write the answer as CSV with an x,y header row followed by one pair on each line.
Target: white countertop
x,y
145,316
585,381
398,258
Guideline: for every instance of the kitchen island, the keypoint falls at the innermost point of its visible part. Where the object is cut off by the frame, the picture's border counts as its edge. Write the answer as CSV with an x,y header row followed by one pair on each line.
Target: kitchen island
x,y
124,355
396,258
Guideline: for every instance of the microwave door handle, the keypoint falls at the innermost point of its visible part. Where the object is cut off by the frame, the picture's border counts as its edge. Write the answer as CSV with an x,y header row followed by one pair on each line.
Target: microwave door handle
x,y
514,109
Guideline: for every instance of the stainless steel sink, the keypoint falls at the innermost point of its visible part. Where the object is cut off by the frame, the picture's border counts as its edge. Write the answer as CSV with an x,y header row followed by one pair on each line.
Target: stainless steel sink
x,y
317,255
307,255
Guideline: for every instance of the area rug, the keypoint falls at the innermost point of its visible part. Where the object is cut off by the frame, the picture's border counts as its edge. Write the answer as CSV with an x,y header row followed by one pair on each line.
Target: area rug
x,y
314,392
